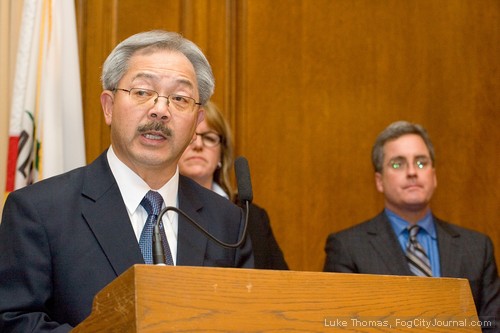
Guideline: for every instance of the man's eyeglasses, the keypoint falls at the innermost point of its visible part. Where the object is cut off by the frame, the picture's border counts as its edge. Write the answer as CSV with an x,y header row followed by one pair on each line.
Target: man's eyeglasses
x,y
402,163
149,98
210,139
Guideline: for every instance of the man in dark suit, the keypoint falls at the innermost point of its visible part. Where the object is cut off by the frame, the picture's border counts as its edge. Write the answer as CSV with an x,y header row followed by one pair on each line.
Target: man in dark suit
x,y
64,239
403,159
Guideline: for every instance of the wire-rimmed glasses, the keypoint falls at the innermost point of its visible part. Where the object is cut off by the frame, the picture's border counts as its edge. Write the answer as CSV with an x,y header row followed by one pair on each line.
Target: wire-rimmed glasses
x,y
402,164
148,97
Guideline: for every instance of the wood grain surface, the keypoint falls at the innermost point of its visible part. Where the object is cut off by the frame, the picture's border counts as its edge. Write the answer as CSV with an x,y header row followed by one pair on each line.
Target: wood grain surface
x,y
199,299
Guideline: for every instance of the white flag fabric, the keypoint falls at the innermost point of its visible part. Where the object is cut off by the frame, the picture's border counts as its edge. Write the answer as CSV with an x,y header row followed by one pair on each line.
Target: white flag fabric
x,y
46,126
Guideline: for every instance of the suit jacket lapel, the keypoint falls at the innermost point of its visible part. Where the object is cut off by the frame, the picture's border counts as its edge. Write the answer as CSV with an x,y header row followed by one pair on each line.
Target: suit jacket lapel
x,y
449,250
384,241
106,214
191,243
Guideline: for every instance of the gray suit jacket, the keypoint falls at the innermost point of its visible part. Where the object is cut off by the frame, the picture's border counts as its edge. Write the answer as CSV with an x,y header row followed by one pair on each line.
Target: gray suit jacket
x,y
64,239
372,248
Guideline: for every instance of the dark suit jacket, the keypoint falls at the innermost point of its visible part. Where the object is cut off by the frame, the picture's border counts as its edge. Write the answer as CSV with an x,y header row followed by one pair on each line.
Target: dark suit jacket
x,y
266,251
64,239
372,248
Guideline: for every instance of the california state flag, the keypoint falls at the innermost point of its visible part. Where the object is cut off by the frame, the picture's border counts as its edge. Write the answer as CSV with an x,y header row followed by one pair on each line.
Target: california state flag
x,y
46,125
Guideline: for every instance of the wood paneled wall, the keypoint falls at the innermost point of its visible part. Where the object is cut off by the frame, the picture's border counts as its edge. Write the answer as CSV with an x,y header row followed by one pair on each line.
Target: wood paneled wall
x,y
308,85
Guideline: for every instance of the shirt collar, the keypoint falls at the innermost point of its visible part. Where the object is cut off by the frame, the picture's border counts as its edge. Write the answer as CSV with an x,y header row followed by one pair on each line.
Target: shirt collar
x,y
218,189
400,225
133,188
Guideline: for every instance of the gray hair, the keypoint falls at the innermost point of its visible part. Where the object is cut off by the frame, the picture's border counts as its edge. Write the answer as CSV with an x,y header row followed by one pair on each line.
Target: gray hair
x,y
394,131
116,65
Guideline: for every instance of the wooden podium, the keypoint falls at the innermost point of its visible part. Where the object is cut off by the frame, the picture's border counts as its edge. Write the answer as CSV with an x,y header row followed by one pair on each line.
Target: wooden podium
x,y
150,298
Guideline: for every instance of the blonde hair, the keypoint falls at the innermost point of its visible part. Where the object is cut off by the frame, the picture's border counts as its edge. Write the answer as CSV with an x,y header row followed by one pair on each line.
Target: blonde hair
x,y
216,121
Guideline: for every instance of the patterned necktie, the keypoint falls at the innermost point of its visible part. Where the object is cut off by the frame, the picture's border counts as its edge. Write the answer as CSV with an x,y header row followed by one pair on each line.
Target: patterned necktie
x,y
152,203
418,261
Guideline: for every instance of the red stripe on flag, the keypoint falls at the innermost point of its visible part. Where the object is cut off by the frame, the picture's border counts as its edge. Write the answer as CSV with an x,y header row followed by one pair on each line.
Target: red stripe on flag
x,y
12,163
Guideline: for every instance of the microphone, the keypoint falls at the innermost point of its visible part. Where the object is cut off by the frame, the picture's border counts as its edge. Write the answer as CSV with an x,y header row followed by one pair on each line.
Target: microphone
x,y
245,195
242,171
158,251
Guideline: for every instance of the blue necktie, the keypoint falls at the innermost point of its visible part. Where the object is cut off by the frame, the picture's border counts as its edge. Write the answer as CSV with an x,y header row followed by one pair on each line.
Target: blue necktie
x,y
152,203
418,260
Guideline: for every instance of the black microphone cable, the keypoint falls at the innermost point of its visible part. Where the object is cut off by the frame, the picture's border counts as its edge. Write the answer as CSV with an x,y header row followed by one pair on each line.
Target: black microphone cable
x,y
245,195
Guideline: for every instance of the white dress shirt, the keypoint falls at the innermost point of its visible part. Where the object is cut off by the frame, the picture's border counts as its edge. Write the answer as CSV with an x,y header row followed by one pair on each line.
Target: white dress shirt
x,y
133,189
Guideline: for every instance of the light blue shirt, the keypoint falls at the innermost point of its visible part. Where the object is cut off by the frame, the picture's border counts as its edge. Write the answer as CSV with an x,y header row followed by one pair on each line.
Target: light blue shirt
x,y
426,236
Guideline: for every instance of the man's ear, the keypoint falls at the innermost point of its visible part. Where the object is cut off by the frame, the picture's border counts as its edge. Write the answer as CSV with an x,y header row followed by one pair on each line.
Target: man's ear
x,y
107,103
378,182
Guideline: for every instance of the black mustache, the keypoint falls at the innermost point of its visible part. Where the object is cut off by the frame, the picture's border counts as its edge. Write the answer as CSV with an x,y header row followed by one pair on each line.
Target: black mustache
x,y
155,126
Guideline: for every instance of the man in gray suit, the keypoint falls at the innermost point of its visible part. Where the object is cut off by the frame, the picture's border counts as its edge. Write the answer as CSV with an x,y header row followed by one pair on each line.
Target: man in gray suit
x,y
65,238
403,159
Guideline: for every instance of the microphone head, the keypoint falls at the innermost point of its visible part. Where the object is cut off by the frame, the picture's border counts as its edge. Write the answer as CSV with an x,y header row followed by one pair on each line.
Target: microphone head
x,y
243,179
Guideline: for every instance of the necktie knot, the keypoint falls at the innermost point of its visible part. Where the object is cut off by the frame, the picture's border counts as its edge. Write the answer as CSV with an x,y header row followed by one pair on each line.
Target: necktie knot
x,y
413,231
418,260
152,203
